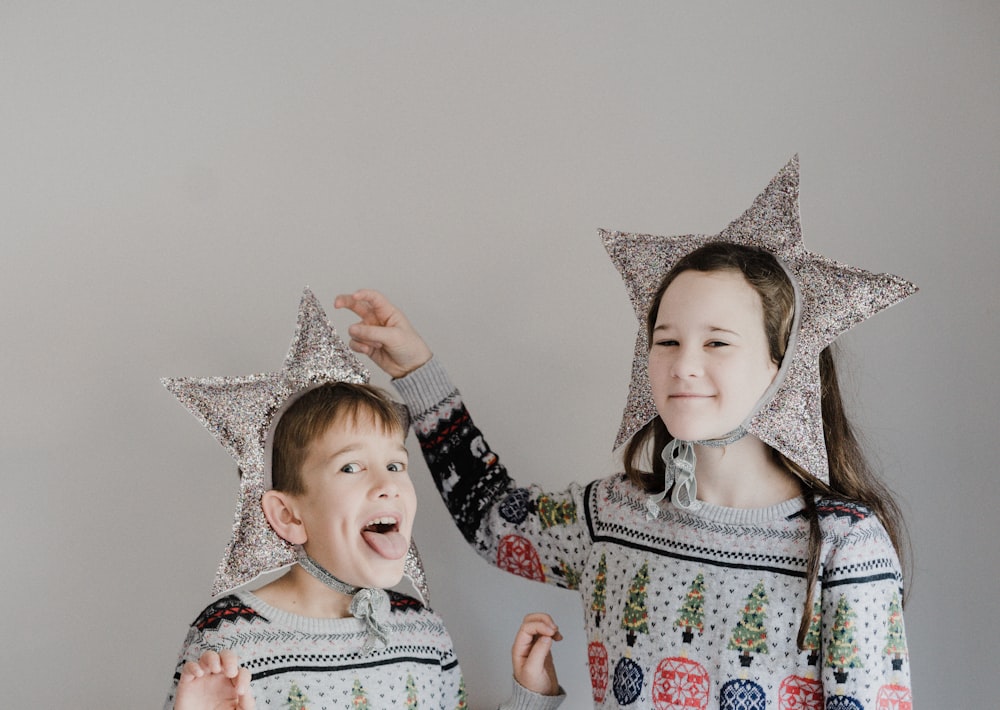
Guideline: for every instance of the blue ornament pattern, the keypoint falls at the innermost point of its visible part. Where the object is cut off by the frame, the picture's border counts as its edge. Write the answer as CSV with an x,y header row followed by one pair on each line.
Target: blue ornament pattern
x,y
627,682
515,507
742,695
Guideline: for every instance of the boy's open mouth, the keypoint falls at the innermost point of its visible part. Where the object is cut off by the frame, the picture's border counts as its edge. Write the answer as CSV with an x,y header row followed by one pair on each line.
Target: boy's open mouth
x,y
382,535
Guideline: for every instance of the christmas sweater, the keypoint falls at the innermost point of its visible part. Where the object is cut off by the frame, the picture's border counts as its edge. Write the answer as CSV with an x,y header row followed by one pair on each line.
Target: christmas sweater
x,y
692,609
299,662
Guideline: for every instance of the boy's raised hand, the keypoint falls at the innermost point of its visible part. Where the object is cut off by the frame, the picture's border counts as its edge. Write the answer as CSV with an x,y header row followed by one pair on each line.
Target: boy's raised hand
x,y
214,682
532,654
384,334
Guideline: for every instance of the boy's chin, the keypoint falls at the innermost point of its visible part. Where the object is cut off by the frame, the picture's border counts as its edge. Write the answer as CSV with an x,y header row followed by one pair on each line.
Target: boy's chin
x,y
383,579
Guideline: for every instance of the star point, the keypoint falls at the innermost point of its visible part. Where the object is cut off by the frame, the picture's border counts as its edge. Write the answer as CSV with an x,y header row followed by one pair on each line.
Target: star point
x,y
833,298
240,411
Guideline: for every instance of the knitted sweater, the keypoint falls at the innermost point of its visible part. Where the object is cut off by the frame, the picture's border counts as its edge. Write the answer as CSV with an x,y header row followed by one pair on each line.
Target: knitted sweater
x,y
691,609
299,662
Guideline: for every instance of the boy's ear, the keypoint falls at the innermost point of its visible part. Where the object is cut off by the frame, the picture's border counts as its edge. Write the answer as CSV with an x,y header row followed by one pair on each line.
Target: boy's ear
x,y
279,509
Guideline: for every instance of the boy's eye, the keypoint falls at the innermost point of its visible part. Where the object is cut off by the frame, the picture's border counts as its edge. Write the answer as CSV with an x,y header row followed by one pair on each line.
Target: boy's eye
x,y
351,468
717,344
396,466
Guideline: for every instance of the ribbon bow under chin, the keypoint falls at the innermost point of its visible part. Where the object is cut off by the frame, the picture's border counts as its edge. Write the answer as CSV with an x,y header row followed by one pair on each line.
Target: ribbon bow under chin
x,y
369,604
680,460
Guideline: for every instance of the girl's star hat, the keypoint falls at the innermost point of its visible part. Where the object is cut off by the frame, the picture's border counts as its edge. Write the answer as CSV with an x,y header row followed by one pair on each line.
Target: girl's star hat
x,y
832,298
240,412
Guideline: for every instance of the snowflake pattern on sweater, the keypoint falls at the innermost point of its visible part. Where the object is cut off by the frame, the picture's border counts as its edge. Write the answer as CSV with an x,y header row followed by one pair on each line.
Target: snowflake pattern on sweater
x,y
300,662
692,609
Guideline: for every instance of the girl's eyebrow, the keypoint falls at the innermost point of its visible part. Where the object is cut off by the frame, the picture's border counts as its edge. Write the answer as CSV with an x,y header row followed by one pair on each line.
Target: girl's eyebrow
x,y
711,329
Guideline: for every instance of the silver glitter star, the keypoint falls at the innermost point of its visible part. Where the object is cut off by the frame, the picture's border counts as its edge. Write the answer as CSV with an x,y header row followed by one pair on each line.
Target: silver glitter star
x,y
239,413
834,298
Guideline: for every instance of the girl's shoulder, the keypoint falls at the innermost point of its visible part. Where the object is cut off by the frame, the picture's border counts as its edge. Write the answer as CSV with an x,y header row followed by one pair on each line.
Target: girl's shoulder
x,y
845,521
850,512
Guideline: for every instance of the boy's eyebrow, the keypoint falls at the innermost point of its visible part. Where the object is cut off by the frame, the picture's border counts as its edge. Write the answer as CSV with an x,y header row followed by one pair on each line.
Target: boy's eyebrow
x,y
354,447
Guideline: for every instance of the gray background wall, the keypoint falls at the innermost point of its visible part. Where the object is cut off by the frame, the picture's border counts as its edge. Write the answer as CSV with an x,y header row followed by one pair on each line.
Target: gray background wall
x,y
172,175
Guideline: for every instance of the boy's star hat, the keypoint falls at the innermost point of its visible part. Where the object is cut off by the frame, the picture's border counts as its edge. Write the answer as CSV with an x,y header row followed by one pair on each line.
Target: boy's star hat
x,y
240,412
832,298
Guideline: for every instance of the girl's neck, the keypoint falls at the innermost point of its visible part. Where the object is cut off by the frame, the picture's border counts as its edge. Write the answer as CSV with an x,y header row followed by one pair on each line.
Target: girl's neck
x,y
298,592
742,475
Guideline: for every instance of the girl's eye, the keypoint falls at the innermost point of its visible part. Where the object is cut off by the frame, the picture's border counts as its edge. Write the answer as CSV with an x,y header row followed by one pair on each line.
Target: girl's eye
x,y
717,344
351,468
666,343
396,466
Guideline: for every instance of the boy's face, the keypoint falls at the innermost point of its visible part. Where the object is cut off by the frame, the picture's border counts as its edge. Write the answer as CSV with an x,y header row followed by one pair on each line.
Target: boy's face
x,y
359,504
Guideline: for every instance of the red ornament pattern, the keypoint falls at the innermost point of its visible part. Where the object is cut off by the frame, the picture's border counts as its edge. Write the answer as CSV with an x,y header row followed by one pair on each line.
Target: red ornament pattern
x,y
894,697
798,693
597,657
680,683
518,556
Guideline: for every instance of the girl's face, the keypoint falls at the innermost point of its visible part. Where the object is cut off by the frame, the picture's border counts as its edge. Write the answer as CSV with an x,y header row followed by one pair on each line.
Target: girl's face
x,y
709,360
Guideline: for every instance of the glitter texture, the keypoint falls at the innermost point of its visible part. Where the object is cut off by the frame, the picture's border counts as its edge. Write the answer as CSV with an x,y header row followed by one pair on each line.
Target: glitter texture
x,y
240,411
834,298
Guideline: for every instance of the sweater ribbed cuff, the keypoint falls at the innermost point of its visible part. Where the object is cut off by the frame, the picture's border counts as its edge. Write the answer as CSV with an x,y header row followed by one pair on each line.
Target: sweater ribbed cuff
x,y
425,387
523,699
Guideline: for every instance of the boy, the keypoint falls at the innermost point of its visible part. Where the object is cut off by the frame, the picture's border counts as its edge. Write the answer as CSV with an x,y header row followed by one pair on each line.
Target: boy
x,y
338,505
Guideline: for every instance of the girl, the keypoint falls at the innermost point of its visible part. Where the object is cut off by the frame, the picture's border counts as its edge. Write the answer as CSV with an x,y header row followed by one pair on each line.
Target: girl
x,y
731,565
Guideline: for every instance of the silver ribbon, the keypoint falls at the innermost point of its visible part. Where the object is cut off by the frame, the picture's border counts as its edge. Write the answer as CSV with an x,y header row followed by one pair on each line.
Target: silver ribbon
x,y
680,461
369,604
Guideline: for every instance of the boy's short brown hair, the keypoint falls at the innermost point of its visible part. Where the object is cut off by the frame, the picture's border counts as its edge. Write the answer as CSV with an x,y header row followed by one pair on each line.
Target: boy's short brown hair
x,y
312,414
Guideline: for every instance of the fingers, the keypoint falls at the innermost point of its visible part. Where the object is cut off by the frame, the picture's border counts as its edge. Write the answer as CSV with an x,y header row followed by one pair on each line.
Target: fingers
x,y
540,624
226,663
208,663
383,333
229,663
368,304
247,701
531,654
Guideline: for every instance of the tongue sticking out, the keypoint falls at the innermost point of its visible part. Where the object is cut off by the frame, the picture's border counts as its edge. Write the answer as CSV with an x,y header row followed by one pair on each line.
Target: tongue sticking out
x,y
390,545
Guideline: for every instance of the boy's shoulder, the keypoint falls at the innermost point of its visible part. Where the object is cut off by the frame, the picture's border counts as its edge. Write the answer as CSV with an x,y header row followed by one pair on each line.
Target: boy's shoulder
x,y
401,603
230,608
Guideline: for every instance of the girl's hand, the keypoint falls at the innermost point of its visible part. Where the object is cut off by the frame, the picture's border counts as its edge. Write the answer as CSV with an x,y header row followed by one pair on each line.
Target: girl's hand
x,y
384,334
214,682
532,654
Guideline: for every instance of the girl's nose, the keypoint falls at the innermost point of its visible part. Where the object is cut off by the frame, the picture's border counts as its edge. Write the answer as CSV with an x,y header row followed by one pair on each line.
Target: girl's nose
x,y
687,362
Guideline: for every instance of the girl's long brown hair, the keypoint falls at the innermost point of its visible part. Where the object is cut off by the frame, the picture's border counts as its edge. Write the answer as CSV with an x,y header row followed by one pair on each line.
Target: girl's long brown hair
x,y
851,477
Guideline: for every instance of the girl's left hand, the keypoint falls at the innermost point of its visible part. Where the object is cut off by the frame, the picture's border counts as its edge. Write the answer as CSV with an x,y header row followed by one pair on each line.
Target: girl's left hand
x,y
532,654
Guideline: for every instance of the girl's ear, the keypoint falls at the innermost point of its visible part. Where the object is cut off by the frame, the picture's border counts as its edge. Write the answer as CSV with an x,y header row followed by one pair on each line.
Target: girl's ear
x,y
279,509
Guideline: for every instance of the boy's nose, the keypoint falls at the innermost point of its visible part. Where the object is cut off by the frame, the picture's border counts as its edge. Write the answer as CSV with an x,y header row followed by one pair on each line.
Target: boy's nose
x,y
385,486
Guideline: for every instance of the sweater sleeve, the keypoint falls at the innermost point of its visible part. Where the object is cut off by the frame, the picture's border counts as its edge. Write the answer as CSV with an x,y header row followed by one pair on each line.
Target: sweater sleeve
x,y
521,529
864,653
523,699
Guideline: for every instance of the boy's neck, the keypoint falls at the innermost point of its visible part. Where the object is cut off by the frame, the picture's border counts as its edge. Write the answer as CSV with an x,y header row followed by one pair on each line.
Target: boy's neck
x,y
742,475
298,592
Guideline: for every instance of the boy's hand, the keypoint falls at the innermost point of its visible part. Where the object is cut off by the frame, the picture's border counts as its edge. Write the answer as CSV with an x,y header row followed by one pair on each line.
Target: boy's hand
x,y
214,682
532,654
384,334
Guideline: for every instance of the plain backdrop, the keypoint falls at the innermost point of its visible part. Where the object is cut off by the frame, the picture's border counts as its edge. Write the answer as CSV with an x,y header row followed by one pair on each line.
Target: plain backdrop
x,y
173,174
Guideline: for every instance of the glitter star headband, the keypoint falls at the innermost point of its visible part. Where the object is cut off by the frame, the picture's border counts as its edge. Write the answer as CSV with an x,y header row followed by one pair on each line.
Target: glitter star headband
x,y
240,413
834,298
